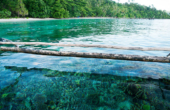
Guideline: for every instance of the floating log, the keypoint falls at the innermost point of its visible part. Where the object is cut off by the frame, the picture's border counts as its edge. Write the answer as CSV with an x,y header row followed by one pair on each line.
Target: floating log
x,y
89,45
90,55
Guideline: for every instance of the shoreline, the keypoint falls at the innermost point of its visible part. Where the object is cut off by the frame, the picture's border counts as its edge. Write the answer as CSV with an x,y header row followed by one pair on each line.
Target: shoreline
x,y
37,19
34,19
24,19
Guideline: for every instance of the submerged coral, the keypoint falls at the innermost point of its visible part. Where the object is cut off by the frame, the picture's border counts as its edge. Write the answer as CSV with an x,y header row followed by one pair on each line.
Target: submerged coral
x,y
69,90
39,101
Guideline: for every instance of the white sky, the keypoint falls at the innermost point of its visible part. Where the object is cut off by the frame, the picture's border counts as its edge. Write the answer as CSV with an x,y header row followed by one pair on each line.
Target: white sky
x,y
158,4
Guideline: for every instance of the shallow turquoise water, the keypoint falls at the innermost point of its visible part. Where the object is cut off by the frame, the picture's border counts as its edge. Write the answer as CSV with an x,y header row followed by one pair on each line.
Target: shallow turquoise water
x,y
48,82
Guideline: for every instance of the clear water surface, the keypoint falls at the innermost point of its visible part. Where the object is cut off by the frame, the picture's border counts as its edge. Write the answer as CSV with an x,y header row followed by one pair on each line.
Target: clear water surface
x,y
40,82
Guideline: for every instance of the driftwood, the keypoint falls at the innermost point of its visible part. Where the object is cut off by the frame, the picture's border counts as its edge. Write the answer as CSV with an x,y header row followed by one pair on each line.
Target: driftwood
x,y
90,55
88,45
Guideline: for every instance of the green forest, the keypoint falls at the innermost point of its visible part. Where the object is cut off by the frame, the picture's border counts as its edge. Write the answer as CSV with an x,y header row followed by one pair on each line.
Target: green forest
x,y
77,8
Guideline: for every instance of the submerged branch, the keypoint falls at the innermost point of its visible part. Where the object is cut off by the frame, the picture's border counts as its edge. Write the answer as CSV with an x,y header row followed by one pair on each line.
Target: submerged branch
x,y
90,55
89,45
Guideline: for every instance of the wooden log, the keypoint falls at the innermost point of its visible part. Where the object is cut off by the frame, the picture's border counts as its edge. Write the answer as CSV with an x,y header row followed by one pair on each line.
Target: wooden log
x,y
89,45
90,55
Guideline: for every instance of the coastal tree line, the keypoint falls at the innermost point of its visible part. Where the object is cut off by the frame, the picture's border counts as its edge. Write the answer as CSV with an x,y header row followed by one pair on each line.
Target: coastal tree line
x,y
77,8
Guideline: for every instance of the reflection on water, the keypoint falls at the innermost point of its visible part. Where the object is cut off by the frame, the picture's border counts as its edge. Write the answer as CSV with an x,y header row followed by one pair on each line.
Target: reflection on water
x,y
36,82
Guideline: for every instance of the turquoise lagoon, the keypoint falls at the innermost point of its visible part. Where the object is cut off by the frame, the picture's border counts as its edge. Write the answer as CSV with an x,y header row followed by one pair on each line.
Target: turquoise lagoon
x,y
40,82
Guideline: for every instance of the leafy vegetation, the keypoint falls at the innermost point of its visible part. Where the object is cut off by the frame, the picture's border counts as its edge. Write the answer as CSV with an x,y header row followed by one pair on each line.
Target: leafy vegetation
x,y
77,8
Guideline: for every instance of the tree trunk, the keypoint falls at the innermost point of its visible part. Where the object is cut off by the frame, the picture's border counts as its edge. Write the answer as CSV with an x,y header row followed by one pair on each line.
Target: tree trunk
x,y
89,45
90,55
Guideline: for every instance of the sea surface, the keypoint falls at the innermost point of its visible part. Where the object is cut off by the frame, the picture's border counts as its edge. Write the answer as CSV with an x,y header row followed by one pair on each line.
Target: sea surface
x,y
41,82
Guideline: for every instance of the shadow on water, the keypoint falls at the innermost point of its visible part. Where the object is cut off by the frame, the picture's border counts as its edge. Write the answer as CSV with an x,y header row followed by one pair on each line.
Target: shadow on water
x,y
45,89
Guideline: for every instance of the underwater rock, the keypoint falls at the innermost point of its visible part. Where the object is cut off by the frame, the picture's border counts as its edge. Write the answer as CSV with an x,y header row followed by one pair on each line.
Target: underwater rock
x,y
135,90
126,105
93,99
52,103
4,95
20,96
161,104
8,96
165,81
167,94
104,108
40,98
28,103
42,107
1,106
130,80
100,99
146,107
39,101
53,107
18,69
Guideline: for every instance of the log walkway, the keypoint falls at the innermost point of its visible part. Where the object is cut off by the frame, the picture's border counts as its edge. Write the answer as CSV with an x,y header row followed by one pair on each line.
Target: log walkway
x,y
90,55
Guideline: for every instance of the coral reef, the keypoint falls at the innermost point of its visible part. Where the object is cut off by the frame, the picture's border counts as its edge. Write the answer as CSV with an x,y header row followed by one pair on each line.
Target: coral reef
x,y
43,89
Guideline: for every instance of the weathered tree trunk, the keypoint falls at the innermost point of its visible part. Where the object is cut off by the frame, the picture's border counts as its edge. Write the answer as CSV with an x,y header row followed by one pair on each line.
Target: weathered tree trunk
x,y
89,45
90,55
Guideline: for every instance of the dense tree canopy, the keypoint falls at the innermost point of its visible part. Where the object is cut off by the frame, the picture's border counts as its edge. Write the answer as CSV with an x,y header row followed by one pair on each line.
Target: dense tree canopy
x,y
77,8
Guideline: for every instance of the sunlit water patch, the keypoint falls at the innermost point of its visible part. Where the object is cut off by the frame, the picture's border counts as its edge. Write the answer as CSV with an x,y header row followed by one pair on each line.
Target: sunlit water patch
x,y
41,82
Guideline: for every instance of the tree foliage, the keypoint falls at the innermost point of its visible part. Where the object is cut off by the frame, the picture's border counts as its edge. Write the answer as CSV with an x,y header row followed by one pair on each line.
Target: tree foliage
x,y
59,9
5,13
21,9
37,8
77,8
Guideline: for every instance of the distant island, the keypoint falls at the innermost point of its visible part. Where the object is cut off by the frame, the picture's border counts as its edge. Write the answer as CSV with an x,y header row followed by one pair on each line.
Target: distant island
x,y
77,8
